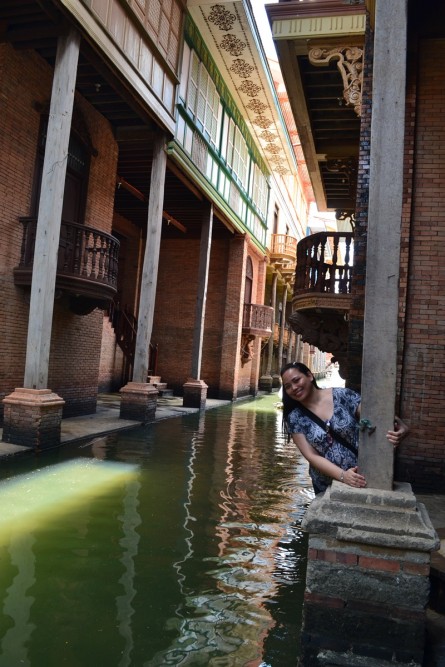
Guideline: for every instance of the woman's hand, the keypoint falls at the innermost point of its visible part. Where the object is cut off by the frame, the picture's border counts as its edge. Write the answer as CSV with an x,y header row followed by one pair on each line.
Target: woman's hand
x,y
353,478
400,431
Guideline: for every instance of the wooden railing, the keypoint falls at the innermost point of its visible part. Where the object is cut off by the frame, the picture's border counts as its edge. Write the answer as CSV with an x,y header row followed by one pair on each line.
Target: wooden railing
x,y
284,246
125,325
87,260
257,319
324,263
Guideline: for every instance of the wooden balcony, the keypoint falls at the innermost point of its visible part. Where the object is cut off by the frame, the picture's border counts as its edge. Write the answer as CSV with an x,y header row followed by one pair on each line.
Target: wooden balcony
x,y
324,271
257,320
322,291
283,248
86,266
283,255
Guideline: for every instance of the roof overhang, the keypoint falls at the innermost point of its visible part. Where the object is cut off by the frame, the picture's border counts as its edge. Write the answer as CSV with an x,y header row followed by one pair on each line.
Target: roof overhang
x,y
320,49
231,35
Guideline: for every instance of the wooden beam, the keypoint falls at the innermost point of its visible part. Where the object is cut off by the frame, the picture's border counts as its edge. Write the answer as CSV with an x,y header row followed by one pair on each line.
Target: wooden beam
x,y
121,182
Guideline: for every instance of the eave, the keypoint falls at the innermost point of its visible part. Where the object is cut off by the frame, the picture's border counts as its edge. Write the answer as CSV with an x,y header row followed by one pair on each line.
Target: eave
x,y
230,34
327,123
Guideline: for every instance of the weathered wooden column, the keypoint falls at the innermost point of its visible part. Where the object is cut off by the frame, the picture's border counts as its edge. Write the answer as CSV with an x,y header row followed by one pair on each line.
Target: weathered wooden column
x,y
195,389
383,248
291,345
139,398
367,584
33,413
281,334
266,380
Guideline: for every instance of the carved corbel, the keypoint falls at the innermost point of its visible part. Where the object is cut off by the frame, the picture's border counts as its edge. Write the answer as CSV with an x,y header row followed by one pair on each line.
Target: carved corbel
x,y
346,215
350,64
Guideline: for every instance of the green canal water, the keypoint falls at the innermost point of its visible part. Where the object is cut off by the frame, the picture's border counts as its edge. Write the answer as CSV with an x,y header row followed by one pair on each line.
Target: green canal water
x,y
173,544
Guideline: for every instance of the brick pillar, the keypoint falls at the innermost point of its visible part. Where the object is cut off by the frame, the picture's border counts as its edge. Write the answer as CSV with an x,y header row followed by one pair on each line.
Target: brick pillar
x,y
367,582
32,418
138,402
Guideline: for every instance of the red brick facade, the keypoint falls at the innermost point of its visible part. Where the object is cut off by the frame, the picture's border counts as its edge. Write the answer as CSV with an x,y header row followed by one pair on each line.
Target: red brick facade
x,y
421,457
84,357
76,340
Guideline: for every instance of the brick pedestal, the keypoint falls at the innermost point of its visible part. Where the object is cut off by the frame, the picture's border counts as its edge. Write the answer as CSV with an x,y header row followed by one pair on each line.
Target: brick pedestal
x,y
265,383
195,394
32,418
367,583
138,402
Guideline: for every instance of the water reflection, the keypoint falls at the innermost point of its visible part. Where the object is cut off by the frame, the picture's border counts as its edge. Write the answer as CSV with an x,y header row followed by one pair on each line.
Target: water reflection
x,y
130,519
18,602
199,560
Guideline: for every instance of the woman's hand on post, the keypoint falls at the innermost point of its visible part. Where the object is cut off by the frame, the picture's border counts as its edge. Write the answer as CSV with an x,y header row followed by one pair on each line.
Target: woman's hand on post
x,y
400,431
353,478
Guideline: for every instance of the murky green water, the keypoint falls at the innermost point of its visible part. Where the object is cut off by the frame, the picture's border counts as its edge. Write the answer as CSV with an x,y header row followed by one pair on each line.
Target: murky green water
x,y
178,545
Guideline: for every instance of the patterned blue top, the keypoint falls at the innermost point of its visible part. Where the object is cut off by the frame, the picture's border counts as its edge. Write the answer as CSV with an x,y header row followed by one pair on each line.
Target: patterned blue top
x,y
343,421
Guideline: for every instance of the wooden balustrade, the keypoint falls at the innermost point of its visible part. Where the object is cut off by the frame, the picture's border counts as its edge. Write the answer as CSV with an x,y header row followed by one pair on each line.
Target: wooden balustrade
x,y
324,263
257,319
87,262
283,246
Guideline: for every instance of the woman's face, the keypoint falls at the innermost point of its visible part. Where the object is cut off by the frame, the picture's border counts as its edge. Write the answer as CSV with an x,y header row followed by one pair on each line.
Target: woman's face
x,y
296,384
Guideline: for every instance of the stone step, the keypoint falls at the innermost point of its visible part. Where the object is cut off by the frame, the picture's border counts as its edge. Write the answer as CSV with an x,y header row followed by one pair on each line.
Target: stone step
x,y
160,386
153,379
166,393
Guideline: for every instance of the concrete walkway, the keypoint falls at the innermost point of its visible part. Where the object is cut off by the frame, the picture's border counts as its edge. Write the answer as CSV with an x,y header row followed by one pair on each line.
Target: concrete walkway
x,y
106,420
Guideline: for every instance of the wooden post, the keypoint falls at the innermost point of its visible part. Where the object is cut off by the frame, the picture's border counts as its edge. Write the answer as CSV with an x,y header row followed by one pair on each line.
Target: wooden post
x,y
282,326
50,212
376,457
151,260
266,380
203,276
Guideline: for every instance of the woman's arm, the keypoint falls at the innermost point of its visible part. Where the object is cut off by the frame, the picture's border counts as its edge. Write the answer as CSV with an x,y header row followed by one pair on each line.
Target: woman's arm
x,y
350,477
400,431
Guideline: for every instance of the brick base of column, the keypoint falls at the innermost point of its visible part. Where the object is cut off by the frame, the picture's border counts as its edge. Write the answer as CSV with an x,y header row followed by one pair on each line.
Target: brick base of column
x,y
33,418
367,582
195,394
276,380
265,383
138,402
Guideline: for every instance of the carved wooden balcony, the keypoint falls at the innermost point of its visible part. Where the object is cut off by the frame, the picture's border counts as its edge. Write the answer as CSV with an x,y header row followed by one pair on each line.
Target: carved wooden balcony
x,y
283,255
322,291
257,320
283,248
86,266
324,271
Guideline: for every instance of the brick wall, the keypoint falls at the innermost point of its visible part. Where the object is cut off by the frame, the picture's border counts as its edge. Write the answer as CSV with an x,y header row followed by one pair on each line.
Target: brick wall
x,y
111,360
355,341
421,457
230,360
174,317
18,143
25,87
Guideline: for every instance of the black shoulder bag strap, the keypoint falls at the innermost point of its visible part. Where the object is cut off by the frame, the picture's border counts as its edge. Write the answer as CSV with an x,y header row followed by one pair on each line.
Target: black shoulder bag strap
x,y
326,427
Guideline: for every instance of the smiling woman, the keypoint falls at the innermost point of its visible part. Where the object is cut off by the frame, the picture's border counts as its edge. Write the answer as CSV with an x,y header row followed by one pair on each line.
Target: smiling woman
x,y
324,424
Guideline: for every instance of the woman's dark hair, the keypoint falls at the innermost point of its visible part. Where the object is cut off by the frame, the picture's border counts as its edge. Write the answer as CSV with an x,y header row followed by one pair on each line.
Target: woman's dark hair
x,y
290,403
